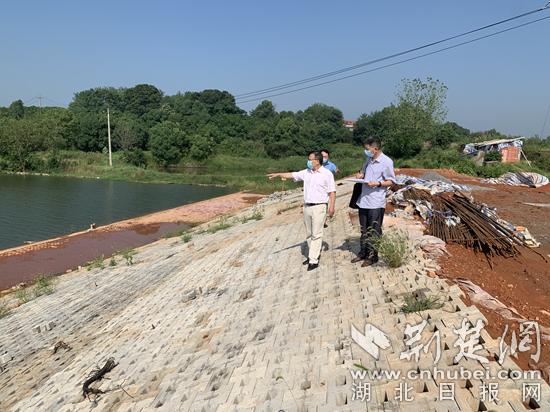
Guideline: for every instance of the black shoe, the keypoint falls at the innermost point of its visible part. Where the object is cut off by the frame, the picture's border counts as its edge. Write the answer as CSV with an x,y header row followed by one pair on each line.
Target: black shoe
x,y
325,226
306,262
358,258
312,266
369,262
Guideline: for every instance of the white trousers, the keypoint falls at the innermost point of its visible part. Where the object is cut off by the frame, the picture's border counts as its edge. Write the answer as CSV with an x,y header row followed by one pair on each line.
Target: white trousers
x,y
314,219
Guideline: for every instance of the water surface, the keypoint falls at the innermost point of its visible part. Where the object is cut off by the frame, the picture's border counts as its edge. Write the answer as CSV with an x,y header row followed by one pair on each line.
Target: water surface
x,y
34,208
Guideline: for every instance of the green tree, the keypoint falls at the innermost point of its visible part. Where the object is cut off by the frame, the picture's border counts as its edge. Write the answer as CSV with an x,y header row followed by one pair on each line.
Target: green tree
x,y
448,133
402,129
230,125
168,143
19,140
53,125
321,125
16,109
211,131
287,129
142,99
201,147
361,129
186,104
265,110
97,99
216,101
129,133
322,113
429,96
286,141
261,131
280,148
88,131
135,157
188,112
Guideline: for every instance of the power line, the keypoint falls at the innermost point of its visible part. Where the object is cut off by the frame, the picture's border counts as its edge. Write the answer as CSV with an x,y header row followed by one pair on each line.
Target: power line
x,y
54,101
40,98
28,101
396,63
350,68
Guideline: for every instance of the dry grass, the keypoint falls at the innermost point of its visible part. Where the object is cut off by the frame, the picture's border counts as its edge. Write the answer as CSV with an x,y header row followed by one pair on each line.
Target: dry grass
x,y
222,224
43,285
186,237
97,263
128,255
256,215
4,310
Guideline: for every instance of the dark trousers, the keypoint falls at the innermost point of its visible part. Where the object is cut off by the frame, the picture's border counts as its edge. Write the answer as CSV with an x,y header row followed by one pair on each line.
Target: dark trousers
x,y
371,228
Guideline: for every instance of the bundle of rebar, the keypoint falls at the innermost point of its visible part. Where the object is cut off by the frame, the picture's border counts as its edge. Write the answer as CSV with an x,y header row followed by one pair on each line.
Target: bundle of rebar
x,y
475,229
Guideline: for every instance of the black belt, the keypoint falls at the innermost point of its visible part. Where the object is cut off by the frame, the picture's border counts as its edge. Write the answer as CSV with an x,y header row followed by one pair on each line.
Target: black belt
x,y
314,204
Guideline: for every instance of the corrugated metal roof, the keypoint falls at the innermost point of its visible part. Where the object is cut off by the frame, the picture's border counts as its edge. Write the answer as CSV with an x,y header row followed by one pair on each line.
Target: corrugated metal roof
x,y
497,141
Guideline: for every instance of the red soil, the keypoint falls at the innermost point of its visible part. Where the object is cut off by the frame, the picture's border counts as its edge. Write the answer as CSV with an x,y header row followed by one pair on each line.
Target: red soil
x,y
54,256
522,283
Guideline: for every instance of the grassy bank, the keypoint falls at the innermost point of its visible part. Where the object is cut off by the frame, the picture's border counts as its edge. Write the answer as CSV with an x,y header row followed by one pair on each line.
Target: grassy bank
x,y
241,173
249,173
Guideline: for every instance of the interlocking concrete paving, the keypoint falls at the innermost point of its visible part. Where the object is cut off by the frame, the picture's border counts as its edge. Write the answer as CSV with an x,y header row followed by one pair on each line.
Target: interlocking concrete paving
x,y
232,321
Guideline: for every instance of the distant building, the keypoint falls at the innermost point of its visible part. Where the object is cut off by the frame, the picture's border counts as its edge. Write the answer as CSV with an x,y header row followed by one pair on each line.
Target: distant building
x,y
510,149
349,124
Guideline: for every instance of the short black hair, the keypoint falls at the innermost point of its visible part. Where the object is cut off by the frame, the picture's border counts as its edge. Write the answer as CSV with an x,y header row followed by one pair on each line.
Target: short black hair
x,y
318,156
373,141
326,151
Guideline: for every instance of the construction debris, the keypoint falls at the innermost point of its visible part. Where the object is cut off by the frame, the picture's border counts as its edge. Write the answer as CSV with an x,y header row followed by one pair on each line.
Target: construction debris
x,y
432,246
483,298
456,218
433,186
97,375
60,345
528,179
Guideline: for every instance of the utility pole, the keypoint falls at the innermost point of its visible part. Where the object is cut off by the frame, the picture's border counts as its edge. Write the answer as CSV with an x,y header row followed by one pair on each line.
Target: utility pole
x,y
40,101
109,137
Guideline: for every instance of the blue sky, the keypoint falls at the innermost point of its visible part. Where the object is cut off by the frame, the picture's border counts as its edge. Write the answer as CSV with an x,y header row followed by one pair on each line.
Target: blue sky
x,y
55,48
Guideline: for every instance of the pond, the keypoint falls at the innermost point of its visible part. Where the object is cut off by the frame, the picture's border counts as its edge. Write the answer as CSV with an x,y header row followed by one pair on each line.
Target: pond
x,y
34,208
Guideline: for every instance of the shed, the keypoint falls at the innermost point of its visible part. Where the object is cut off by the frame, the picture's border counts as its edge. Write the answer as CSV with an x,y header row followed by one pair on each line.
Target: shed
x,y
510,149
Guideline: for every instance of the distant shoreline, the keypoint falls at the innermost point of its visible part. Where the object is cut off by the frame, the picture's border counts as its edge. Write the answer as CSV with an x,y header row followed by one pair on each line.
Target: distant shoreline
x,y
120,179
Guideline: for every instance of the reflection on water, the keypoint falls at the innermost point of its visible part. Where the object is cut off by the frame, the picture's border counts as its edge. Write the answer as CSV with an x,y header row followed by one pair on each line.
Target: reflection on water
x,y
34,208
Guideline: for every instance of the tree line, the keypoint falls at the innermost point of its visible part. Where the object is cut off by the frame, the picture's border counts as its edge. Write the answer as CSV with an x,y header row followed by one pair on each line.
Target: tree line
x,y
197,125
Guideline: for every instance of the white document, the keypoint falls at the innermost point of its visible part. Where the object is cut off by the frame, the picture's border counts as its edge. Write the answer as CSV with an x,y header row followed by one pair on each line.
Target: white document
x,y
357,180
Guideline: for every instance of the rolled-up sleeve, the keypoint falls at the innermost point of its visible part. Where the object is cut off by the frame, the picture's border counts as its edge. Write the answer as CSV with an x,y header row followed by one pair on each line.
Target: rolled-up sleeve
x,y
389,173
298,176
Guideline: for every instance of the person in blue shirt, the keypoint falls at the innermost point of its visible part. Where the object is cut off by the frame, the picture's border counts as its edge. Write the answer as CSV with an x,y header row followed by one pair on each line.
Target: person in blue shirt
x,y
327,164
378,174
